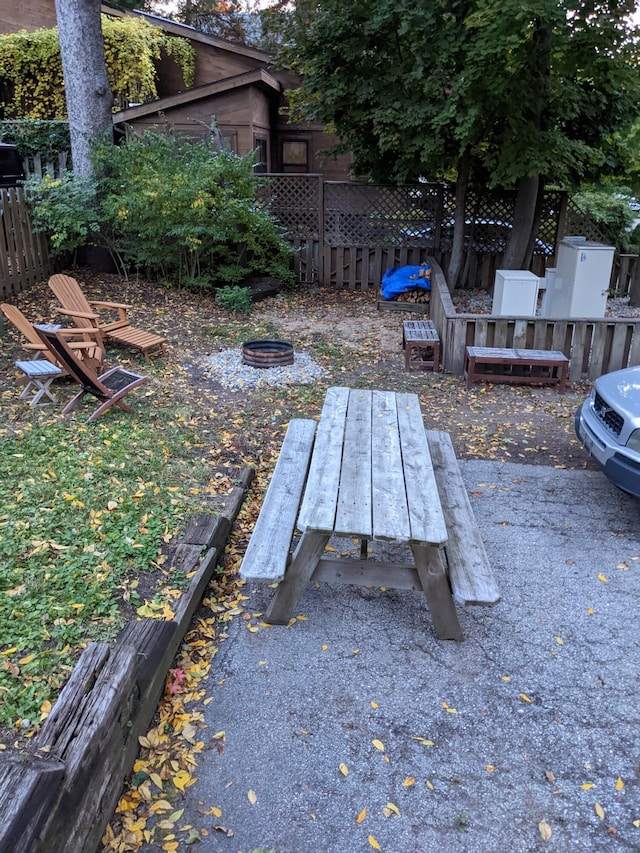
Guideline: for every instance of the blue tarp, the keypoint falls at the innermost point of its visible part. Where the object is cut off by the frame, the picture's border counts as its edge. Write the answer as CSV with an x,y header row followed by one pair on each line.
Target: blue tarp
x,y
400,279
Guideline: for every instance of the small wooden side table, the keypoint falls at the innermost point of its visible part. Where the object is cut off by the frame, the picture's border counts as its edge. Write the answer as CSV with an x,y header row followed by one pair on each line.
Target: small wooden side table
x,y
421,345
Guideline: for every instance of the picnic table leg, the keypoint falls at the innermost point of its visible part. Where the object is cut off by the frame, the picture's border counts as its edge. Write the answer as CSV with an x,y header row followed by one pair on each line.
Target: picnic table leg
x,y
299,572
436,588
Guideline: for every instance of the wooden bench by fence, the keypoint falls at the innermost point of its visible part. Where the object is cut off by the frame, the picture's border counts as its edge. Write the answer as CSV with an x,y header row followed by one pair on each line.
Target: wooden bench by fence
x,y
421,344
470,573
516,366
267,554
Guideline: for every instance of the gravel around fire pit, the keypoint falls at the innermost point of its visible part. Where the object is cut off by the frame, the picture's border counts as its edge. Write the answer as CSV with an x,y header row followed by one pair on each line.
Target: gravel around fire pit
x,y
226,367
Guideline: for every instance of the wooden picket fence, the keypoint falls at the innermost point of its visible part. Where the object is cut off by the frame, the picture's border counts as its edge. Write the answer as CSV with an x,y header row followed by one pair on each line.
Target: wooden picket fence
x,y
593,346
24,255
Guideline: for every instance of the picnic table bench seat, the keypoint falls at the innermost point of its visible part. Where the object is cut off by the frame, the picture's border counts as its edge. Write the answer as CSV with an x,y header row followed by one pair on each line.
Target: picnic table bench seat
x,y
516,366
470,574
267,554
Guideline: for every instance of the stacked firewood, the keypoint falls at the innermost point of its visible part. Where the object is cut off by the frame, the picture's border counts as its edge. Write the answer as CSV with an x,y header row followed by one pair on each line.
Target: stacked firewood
x,y
416,295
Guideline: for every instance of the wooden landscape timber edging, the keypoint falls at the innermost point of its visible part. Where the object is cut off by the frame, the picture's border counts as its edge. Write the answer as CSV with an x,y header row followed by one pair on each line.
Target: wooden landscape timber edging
x,y
593,346
61,795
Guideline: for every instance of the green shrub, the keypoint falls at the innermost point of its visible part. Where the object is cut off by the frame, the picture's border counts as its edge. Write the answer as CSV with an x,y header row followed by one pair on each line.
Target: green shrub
x,y
610,213
172,209
236,299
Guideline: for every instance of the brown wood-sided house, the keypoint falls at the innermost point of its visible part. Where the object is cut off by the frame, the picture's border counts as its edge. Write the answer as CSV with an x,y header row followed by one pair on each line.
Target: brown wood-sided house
x,y
235,85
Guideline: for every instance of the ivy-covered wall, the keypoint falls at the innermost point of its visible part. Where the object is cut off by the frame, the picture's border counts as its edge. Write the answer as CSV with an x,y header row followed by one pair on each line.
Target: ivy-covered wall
x,y
31,81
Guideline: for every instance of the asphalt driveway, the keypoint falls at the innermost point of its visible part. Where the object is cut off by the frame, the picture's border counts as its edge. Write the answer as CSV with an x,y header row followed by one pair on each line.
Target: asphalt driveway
x,y
355,729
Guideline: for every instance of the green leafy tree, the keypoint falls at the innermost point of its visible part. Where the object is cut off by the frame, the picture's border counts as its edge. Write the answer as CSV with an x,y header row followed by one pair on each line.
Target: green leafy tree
x,y
498,93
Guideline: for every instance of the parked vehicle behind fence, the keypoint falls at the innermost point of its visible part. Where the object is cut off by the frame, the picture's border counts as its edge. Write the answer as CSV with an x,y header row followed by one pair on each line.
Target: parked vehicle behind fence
x,y
11,169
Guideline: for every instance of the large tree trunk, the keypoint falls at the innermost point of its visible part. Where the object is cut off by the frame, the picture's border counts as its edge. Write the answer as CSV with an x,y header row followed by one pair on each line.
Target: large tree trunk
x,y
87,90
456,262
523,220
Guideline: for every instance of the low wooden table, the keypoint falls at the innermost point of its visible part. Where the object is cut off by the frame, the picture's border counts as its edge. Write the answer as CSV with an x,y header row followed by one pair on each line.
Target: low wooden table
x,y
421,344
516,366
38,376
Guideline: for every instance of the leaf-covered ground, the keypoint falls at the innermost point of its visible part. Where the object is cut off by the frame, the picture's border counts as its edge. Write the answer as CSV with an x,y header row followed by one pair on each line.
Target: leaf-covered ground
x,y
88,510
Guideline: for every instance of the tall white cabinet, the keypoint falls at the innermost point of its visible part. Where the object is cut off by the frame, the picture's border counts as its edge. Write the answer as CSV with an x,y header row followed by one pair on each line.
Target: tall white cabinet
x,y
581,284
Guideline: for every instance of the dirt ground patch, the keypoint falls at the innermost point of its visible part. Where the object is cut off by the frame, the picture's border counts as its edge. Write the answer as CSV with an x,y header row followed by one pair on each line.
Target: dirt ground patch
x,y
356,344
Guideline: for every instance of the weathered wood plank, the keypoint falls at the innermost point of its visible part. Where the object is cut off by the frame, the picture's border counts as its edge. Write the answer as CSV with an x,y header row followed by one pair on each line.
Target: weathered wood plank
x,y
425,511
367,573
321,494
354,511
29,785
268,550
470,573
390,510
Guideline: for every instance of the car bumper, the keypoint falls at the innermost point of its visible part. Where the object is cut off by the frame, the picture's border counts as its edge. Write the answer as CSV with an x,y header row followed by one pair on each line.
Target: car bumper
x,y
621,469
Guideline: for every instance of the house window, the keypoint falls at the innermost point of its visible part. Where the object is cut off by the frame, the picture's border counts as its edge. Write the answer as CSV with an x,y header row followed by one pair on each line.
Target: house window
x,y
260,149
295,155
230,139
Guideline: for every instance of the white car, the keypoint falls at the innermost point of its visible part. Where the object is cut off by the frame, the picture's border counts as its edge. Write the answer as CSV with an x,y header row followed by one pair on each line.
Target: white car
x,y
608,425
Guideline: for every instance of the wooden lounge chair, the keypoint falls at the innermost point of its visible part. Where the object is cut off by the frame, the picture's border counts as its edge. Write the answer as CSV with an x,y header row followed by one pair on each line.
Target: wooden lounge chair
x,y
76,305
110,387
87,342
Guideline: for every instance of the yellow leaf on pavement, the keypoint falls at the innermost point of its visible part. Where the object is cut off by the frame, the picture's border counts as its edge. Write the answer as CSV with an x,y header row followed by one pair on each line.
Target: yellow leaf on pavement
x,y
378,744
362,815
599,811
602,578
409,781
373,843
374,705
545,830
252,796
343,768
181,779
619,784
525,698
587,785
393,808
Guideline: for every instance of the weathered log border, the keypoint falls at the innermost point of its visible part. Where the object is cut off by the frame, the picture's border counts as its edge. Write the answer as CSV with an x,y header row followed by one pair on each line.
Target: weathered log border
x,y
61,795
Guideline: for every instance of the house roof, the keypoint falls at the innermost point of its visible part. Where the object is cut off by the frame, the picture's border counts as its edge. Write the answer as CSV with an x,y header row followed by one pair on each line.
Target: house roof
x,y
258,76
185,31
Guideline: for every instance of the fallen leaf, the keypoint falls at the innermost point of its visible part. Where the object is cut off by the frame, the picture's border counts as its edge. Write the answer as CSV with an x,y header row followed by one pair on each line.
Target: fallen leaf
x,y
619,784
378,744
550,776
373,843
343,769
602,578
181,779
252,796
599,811
525,698
374,705
409,781
587,785
545,830
393,808
362,815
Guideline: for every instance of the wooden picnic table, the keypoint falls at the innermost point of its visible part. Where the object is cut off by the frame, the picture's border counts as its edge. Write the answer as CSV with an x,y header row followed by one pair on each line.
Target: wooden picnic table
x,y
370,477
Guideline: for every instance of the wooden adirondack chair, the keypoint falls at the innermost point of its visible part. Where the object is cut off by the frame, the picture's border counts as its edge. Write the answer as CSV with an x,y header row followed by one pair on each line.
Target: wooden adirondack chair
x,y
110,387
76,305
87,342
